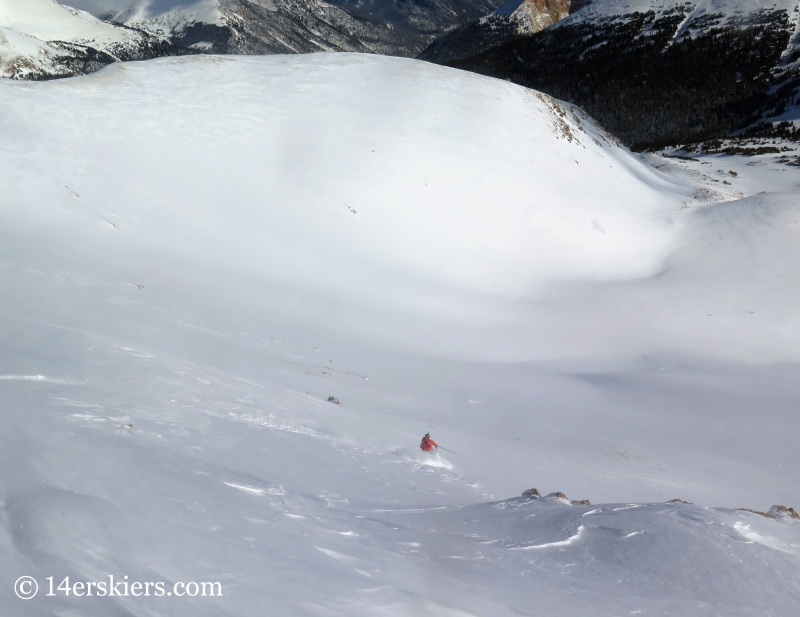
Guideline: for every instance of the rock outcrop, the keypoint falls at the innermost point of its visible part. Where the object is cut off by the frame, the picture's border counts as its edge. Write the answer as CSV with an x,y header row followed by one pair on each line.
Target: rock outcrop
x,y
534,15
535,494
512,20
776,512
783,512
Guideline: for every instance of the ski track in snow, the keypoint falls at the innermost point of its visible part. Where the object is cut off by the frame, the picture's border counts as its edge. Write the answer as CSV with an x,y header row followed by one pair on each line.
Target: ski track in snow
x,y
567,542
40,379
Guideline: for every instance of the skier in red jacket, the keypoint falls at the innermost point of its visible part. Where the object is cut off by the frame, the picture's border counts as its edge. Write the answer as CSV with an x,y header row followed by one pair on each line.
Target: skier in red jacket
x,y
428,444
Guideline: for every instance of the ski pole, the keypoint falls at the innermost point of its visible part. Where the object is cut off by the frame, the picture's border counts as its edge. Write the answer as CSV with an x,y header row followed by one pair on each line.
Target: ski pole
x,y
446,450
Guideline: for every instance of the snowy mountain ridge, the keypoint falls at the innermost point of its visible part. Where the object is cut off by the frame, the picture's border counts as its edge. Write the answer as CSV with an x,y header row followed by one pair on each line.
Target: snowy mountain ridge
x,y
170,13
163,18
288,26
43,38
49,20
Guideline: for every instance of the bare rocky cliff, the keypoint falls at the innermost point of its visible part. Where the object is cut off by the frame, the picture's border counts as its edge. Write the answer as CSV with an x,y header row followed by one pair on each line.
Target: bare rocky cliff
x,y
535,15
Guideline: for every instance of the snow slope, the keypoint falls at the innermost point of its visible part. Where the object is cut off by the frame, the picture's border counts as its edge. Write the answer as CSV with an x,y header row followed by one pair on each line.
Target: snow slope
x,y
51,21
23,55
196,252
43,38
167,14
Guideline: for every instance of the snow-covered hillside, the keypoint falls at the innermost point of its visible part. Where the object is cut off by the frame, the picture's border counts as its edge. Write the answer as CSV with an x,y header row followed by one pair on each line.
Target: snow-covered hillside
x,y
43,38
196,252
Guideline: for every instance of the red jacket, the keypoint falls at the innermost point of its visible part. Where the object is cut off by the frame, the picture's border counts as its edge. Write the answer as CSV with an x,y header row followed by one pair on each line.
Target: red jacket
x,y
428,444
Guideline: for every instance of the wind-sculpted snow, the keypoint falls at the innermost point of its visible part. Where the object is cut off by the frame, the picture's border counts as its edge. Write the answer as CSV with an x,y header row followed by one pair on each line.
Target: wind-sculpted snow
x,y
200,257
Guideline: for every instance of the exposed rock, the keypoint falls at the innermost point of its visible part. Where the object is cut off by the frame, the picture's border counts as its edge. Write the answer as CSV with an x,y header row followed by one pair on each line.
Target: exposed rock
x,y
534,15
764,514
533,492
333,399
677,500
783,512
513,19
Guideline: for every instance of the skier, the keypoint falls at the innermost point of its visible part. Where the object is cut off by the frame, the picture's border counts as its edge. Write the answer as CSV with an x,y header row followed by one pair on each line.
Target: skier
x,y
428,444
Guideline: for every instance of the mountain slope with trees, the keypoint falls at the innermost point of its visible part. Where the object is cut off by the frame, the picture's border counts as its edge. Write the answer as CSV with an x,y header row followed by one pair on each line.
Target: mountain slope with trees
x,y
656,73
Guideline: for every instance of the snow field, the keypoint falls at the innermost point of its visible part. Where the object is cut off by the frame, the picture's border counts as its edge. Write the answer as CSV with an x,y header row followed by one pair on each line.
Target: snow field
x,y
196,252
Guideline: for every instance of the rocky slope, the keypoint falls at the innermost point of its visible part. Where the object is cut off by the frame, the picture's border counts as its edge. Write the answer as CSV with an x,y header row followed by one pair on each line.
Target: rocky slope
x,y
427,18
513,19
258,26
657,71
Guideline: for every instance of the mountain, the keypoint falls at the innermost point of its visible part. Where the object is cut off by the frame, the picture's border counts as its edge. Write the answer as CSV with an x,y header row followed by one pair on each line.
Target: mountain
x,y
196,252
401,28
43,38
655,71
429,18
516,18
254,26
